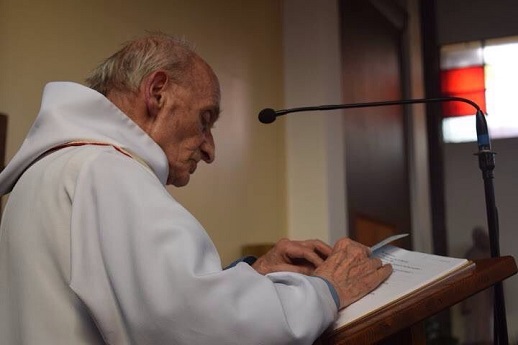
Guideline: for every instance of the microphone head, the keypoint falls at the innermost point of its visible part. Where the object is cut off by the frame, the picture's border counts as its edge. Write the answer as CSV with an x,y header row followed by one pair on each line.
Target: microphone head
x,y
267,115
483,140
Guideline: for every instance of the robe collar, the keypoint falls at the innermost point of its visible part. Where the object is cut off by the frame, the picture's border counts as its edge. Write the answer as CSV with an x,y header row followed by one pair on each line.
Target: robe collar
x,y
72,112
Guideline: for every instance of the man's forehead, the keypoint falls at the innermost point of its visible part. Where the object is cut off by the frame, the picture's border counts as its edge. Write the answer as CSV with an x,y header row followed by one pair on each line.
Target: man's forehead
x,y
205,78
211,85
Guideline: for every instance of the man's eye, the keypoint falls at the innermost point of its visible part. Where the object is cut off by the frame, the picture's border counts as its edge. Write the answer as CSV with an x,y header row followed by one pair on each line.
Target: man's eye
x,y
206,120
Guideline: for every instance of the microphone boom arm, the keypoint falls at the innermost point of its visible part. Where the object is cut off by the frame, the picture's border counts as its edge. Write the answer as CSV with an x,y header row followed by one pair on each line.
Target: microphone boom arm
x,y
378,104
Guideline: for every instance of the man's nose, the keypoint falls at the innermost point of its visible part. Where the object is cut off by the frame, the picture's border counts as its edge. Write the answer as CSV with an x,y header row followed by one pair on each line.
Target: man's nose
x,y
208,148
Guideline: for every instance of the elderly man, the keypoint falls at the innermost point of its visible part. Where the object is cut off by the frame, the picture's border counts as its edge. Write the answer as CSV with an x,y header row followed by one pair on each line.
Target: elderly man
x,y
94,250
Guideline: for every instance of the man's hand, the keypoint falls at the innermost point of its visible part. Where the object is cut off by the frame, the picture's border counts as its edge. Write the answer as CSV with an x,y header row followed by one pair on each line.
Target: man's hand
x,y
293,256
351,271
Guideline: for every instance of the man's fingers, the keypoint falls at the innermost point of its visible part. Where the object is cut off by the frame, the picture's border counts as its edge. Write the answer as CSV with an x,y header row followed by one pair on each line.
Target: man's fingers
x,y
352,271
351,247
374,278
372,264
322,248
334,261
385,271
307,250
312,257
294,256
365,284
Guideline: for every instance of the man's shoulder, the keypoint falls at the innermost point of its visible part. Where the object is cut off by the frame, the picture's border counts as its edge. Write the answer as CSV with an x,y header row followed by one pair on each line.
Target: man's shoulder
x,y
85,155
112,165
104,160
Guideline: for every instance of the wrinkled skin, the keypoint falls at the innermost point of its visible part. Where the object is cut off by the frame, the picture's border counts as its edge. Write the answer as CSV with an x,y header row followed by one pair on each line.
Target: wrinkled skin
x,y
347,266
293,256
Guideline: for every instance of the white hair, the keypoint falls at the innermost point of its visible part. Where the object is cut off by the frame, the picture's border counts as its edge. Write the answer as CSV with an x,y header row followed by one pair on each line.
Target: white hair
x,y
125,70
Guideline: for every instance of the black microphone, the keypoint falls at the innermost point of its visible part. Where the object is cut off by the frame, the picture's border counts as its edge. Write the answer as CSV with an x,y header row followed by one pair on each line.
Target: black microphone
x,y
267,115
486,165
482,131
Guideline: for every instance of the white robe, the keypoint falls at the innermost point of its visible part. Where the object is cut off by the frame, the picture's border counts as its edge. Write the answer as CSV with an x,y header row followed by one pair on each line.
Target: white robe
x,y
93,249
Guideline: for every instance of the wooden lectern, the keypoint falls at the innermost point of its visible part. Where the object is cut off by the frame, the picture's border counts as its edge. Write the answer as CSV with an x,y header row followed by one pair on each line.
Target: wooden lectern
x,y
402,322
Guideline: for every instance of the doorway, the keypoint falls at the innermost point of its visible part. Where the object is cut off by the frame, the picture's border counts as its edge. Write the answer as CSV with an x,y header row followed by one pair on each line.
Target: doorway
x,y
377,175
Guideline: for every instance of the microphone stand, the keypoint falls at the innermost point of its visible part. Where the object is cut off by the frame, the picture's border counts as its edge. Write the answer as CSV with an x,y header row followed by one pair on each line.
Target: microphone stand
x,y
486,162
486,159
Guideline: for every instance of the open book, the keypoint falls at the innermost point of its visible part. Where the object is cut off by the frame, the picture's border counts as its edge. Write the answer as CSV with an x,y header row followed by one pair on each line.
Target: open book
x,y
412,271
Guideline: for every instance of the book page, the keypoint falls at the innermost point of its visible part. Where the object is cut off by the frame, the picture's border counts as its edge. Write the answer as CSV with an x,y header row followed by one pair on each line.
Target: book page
x,y
411,271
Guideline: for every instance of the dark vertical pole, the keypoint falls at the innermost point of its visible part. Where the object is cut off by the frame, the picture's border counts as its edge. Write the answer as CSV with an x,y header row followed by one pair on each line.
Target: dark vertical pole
x,y
431,75
439,325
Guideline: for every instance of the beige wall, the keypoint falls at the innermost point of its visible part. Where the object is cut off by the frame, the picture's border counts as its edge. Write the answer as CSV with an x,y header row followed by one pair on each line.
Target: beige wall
x,y
315,158
241,197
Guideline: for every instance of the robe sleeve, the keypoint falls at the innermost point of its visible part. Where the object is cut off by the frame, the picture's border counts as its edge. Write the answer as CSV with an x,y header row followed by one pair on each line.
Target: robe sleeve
x,y
148,273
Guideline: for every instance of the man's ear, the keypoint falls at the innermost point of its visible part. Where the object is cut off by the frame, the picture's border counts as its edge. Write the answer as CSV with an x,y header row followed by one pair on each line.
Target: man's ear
x,y
155,85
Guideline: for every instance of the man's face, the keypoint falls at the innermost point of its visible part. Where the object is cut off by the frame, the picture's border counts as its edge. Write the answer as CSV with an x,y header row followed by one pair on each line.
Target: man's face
x,y
184,133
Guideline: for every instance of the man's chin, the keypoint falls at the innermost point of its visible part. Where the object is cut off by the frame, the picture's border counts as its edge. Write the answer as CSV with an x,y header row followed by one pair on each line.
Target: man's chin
x,y
179,181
